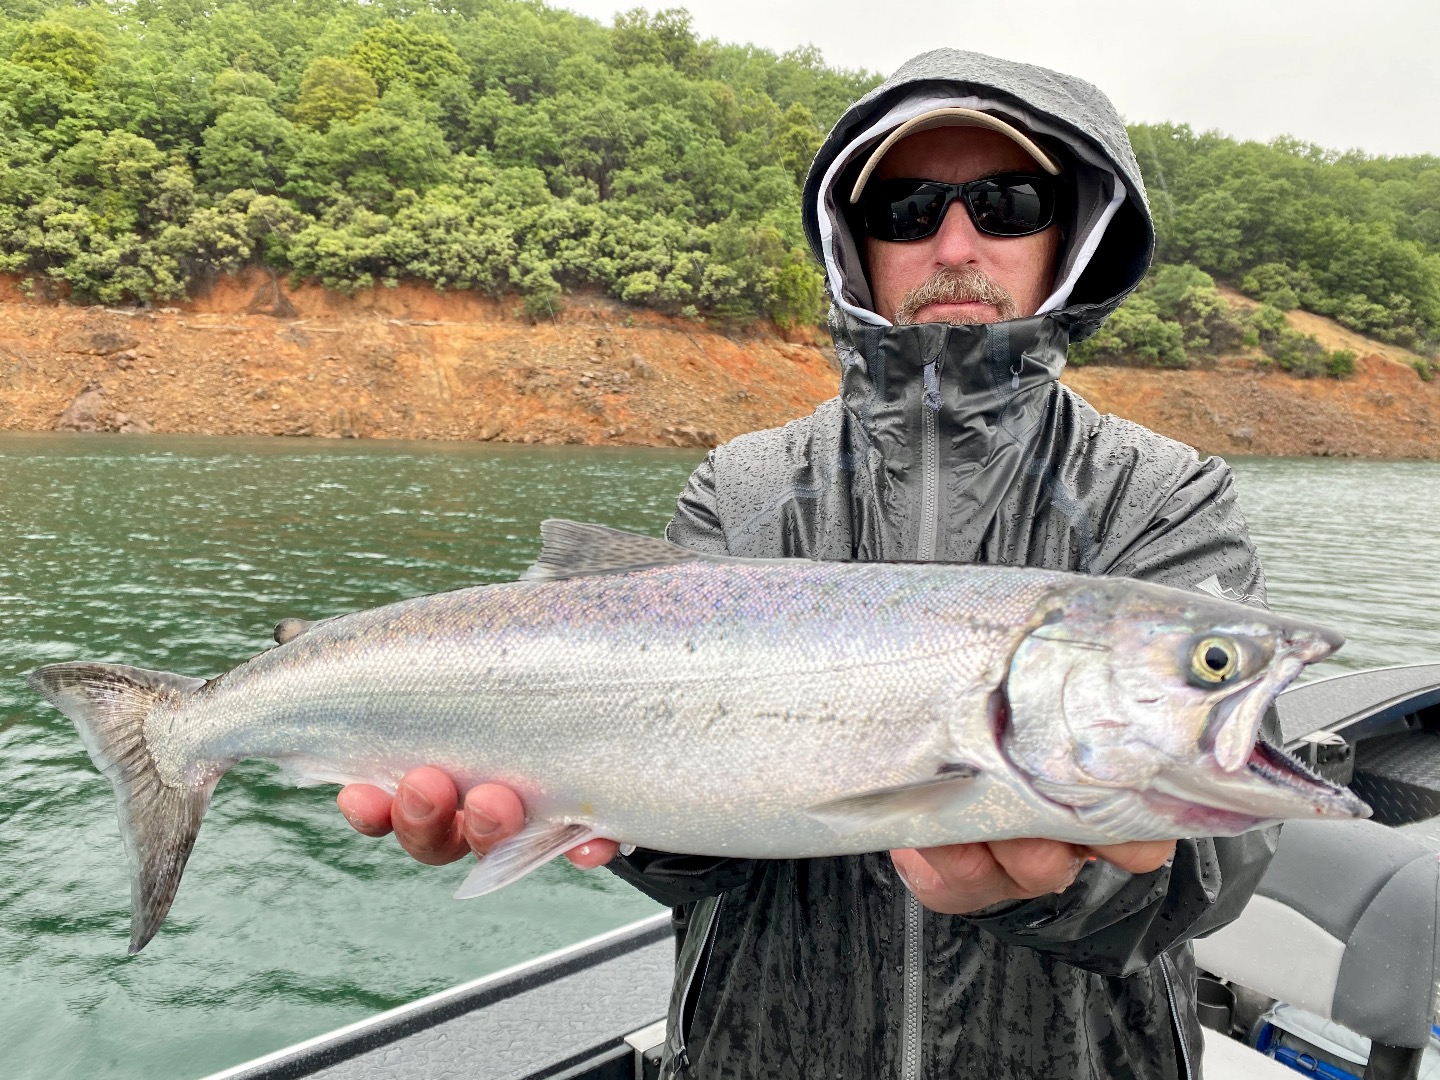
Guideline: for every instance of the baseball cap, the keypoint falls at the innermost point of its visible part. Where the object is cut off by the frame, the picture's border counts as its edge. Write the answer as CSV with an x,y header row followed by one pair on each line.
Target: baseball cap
x,y
953,117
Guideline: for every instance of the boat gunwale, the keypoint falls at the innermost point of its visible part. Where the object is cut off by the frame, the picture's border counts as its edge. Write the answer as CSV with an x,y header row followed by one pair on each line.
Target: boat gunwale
x,y
363,1036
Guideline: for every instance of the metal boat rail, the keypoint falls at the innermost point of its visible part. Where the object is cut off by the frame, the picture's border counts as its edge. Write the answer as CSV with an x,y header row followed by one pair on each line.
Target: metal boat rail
x,y
564,1016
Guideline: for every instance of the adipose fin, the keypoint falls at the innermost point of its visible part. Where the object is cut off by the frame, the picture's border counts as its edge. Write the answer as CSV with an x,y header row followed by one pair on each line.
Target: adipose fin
x,y
287,630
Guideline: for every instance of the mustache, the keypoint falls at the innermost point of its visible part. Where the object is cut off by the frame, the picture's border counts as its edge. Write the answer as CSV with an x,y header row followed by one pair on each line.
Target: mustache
x,y
957,285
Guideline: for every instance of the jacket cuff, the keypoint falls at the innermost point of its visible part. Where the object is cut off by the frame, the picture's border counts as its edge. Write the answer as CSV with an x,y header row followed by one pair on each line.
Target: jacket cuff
x,y
674,880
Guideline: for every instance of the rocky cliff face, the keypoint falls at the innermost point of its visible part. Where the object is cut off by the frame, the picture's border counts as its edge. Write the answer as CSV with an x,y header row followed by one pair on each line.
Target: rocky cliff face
x,y
254,357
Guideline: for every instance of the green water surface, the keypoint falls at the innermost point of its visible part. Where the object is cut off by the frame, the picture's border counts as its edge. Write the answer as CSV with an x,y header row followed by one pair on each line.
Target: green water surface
x,y
182,553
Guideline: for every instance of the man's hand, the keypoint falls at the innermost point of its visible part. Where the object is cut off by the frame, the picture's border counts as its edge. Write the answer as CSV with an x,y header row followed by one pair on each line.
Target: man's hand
x,y
960,879
431,825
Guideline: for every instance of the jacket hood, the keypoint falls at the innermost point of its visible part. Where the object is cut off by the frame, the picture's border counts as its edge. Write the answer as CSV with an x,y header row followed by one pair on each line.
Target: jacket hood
x,y
1111,236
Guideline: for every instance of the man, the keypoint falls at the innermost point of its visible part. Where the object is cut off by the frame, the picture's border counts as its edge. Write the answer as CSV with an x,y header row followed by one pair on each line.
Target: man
x,y
973,216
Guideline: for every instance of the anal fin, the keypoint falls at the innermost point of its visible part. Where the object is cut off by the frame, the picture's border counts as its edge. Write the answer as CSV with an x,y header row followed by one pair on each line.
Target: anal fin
x,y
527,850
887,806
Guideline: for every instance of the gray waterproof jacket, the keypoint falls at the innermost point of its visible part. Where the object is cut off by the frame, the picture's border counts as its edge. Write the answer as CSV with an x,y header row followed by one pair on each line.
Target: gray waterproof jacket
x,y
959,444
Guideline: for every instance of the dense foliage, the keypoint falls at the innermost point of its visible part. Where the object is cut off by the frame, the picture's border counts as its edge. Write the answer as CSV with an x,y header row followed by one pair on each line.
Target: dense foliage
x,y
1345,235
502,145
492,144
1177,318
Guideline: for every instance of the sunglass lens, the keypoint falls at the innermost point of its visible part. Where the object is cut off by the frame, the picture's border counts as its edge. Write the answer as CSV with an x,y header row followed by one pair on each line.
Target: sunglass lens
x,y
904,211
1011,207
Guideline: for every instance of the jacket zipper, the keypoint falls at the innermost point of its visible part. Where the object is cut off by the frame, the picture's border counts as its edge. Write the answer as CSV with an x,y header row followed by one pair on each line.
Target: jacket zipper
x,y
929,462
679,1052
1180,1043
914,996
914,969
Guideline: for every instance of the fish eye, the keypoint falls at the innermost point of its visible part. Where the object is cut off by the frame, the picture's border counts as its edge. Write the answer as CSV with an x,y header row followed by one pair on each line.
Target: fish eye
x,y
1213,660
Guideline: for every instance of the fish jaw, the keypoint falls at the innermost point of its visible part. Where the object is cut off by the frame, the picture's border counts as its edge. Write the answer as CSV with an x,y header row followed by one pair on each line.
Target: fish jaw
x,y
1271,786
1239,776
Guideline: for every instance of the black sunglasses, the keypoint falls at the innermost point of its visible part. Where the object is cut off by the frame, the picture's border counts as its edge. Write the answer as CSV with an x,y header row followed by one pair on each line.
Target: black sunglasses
x,y
1010,204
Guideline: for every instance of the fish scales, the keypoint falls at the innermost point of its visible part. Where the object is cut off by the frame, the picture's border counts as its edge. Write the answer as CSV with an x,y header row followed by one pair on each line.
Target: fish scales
x,y
706,680
629,689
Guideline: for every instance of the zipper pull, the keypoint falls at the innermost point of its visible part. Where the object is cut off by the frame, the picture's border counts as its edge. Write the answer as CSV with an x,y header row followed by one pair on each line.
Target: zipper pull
x,y
932,385
1015,374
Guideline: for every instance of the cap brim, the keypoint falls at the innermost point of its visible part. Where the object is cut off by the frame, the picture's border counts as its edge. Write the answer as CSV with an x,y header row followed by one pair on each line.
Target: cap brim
x,y
952,117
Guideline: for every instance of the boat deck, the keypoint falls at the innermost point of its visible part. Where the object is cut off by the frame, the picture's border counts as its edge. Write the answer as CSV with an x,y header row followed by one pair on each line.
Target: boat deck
x,y
583,1013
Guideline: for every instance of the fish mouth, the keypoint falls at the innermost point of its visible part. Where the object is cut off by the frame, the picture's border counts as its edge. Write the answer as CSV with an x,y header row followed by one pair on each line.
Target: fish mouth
x,y
1272,786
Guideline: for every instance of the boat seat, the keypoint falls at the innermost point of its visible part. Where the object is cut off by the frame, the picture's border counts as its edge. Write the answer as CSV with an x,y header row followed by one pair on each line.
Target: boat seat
x,y
1344,925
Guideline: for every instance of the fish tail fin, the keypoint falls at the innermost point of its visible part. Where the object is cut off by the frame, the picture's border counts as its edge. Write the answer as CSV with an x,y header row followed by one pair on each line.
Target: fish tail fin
x,y
159,819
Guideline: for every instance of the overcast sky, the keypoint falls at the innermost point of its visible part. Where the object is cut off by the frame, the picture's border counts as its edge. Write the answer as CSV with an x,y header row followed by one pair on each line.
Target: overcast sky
x,y
1343,74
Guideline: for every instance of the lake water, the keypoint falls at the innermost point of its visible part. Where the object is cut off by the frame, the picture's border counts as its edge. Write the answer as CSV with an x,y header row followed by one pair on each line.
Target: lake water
x,y
181,554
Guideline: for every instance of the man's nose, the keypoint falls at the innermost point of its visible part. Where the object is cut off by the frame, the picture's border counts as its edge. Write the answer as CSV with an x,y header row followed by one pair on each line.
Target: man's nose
x,y
958,241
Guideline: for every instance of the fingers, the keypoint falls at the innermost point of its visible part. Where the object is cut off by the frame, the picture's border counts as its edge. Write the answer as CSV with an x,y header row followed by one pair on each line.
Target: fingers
x,y
954,879
366,808
493,813
592,854
962,878
432,830
1039,866
1138,856
427,819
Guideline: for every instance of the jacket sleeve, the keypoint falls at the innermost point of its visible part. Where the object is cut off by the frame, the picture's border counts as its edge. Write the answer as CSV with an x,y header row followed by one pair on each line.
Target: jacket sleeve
x,y
1109,921
696,524
674,880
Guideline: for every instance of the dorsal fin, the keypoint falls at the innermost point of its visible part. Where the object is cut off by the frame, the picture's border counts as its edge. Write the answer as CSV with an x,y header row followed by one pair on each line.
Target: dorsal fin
x,y
574,549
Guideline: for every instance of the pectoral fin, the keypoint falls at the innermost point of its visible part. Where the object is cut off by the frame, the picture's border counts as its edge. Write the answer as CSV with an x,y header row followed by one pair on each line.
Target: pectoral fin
x,y
527,850
888,806
1127,816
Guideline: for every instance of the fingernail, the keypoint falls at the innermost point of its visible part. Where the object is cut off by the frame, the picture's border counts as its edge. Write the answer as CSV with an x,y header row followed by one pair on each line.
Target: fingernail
x,y
583,850
480,825
354,819
415,804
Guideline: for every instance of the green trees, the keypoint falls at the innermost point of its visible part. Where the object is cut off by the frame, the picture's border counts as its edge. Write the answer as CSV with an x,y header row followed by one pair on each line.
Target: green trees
x,y
492,144
1346,236
397,52
333,89
75,55
508,146
1177,318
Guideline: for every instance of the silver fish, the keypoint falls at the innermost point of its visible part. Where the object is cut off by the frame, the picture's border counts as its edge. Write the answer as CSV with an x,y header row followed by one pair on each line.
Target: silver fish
x,y
631,689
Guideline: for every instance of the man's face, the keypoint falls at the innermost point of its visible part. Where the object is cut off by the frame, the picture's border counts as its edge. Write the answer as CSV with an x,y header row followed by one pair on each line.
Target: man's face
x,y
1022,265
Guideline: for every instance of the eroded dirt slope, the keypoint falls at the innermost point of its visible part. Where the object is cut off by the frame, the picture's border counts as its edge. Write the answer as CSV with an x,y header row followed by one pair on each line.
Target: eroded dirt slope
x,y
1384,411
253,357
